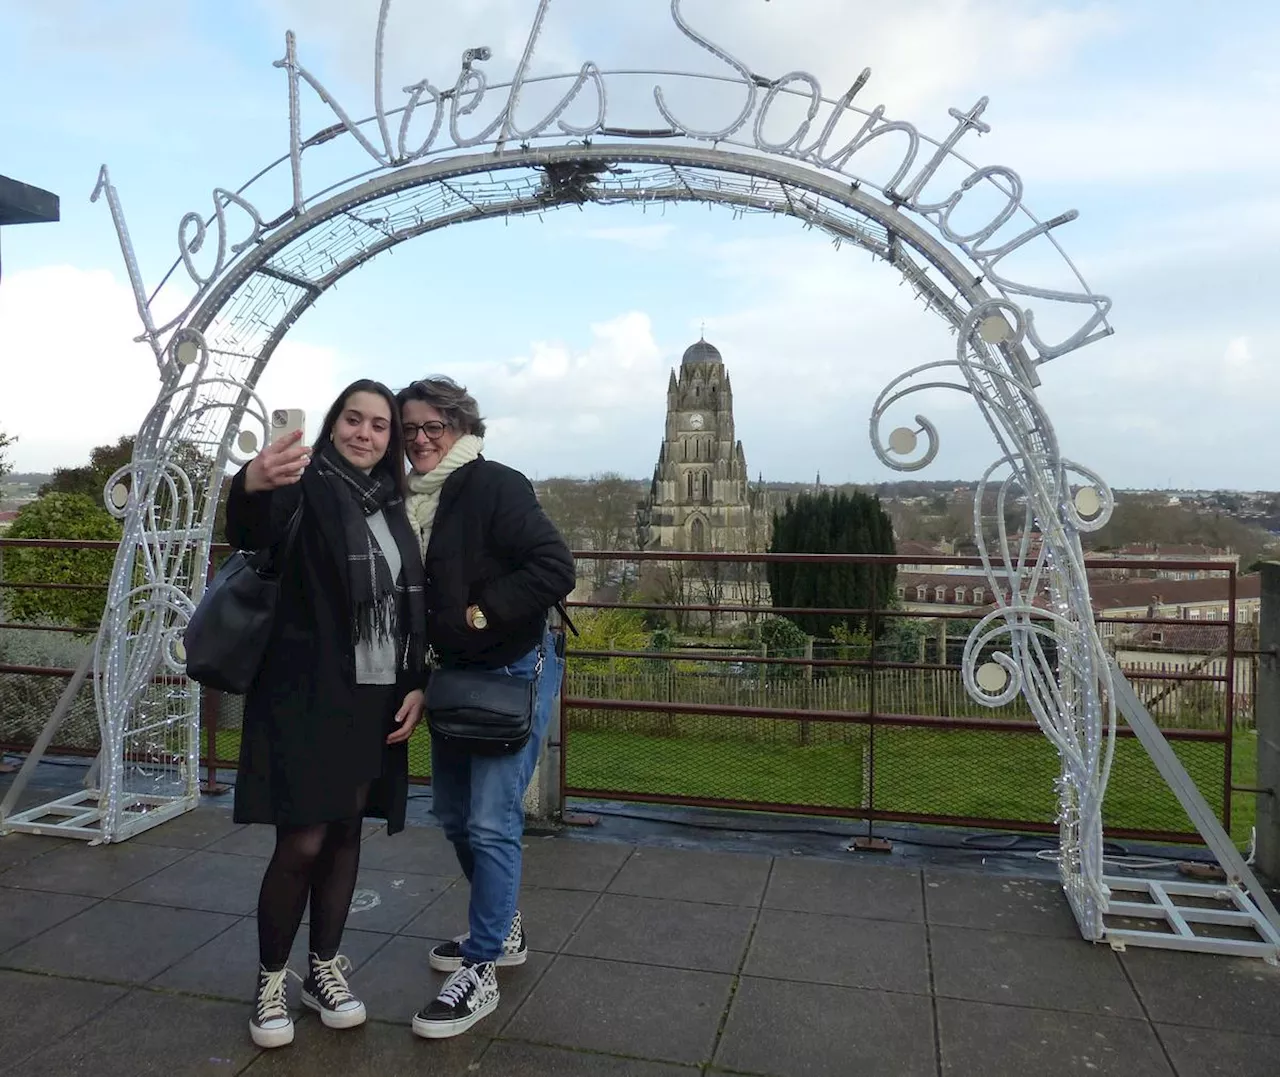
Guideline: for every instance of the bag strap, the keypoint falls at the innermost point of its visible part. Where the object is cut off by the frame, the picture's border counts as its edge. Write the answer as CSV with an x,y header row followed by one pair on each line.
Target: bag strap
x,y
282,551
564,616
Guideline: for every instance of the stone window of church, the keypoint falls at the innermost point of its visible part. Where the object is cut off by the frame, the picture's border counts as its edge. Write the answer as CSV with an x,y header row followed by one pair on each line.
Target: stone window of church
x,y
690,485
706,487
698,536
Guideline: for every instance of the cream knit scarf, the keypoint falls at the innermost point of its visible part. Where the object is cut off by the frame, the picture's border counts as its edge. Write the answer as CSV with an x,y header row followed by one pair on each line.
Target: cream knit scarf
x,y
424,490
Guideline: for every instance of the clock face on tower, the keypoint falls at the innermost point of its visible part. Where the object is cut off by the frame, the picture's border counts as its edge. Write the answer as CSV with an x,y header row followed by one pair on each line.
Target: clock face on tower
x,y
696,420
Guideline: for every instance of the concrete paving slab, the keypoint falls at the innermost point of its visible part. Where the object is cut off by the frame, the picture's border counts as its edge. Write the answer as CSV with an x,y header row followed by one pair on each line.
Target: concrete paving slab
x,y
195,829
423,850
572,865
505,1059
17,849
1201,990
227,966
694,875
118,942
26,913
550,916
783,1028
842,950
1206,1052
1013,1041
95,871
1030,970
397,981
667,1015
217,882
388,900
371,1050
840,889
257,839
998,903
678,934
36,1011
153,1035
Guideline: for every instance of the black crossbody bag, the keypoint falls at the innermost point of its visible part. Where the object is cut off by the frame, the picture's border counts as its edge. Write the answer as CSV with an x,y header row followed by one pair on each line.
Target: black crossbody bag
x,y
481,711
227,636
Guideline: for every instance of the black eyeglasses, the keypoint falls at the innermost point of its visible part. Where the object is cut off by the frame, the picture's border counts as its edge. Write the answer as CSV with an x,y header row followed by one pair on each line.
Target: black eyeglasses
x,y
432,429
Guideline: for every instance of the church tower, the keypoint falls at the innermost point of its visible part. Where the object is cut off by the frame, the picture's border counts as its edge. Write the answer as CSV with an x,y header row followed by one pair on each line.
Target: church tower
x,y
701,497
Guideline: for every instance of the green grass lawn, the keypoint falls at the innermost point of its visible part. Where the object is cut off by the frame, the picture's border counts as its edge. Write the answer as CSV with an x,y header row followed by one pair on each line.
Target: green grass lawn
x,y
982,774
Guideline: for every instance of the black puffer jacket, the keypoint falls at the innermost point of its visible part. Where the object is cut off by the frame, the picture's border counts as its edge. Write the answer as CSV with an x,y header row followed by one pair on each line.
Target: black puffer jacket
x,y
492,546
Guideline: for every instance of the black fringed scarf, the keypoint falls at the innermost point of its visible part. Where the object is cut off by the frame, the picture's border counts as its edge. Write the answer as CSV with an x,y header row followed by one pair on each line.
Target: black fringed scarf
x,y
378,603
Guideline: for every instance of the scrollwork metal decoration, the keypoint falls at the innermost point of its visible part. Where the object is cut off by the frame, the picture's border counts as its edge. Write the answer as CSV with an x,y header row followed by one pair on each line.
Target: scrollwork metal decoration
x,y
470,157
1040,641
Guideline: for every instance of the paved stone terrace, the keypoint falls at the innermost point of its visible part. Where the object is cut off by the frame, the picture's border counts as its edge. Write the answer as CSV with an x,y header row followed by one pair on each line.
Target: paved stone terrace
x,y
648,962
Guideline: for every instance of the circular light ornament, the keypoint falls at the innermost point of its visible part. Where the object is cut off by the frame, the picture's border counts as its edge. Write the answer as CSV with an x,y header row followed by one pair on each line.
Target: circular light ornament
x,y
993,329
992,678
902,441
1088,503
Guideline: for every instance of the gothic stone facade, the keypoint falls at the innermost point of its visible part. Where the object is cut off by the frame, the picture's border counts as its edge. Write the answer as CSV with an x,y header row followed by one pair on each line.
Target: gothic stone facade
x,y
701,497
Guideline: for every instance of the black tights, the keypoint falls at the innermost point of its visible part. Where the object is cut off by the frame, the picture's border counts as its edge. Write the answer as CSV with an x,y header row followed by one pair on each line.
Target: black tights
x,y
319,862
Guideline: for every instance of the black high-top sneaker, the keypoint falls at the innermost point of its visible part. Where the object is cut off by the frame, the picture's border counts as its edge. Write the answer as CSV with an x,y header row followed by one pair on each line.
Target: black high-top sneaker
x,y
271,1025
447,957
325,990
468,995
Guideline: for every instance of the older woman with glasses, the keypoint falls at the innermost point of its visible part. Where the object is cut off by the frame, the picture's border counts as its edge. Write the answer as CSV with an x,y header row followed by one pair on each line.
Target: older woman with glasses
x,y
495,565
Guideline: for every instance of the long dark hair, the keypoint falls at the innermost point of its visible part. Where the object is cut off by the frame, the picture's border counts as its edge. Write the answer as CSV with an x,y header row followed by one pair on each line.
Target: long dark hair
x,y
392,462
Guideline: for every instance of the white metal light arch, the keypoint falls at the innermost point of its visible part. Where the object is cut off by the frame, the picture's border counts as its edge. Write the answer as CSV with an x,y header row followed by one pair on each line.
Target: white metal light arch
x,y
434,162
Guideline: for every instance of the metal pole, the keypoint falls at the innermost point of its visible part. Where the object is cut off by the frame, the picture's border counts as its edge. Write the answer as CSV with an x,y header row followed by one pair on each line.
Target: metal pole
x,y
1267,715
59,715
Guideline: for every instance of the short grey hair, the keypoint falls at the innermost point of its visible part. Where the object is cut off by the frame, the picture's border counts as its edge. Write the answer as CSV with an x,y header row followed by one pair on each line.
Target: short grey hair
x,y
450,399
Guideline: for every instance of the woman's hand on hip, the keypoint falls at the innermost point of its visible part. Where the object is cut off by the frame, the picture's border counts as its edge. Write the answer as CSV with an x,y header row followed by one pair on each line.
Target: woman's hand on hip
x,y
280,464
407,717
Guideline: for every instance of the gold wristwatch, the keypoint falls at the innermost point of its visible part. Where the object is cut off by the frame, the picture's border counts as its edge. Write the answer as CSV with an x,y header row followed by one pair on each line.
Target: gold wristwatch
x,y
478,619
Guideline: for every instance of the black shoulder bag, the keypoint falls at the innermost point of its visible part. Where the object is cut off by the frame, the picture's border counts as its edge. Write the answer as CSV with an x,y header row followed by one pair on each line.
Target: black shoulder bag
x,y
481,711
227,636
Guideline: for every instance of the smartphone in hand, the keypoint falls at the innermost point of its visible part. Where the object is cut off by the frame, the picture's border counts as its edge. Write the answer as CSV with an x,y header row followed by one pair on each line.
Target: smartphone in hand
x,y
285,421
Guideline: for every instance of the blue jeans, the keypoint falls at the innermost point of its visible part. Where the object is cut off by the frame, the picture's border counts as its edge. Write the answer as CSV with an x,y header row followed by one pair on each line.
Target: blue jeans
x,y
479,801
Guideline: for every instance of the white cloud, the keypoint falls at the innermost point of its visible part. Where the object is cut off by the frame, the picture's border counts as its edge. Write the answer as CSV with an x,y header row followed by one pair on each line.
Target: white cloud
x,y
559,411
72,377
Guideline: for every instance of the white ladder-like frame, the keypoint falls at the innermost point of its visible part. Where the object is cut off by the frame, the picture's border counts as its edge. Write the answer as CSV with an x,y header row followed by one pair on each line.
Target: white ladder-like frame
x,y
1250,908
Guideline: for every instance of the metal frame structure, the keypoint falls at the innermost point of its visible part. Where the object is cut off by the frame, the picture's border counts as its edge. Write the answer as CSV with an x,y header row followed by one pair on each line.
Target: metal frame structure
x,y
447,157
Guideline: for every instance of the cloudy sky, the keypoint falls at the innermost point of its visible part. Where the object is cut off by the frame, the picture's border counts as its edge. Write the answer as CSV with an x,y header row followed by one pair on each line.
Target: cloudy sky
x,y
1147,116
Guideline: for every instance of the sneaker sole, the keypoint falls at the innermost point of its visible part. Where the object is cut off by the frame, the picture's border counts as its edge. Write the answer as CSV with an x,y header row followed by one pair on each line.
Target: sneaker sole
x,y
439,1030
453,964
271,1037
331,1019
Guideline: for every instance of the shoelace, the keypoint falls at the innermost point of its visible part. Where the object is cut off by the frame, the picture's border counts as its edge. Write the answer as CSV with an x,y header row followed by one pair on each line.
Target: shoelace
x,y
328,978
272,1001
459,985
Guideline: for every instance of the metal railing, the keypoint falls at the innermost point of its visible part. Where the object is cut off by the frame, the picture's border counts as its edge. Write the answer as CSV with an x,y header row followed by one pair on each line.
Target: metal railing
x,y
859,729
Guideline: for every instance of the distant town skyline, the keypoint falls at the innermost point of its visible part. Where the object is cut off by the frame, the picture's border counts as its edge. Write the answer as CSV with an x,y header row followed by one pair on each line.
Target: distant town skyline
x,y
566,328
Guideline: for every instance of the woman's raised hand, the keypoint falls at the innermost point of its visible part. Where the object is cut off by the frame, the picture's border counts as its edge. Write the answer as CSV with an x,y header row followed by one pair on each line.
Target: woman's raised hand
x,y
280,464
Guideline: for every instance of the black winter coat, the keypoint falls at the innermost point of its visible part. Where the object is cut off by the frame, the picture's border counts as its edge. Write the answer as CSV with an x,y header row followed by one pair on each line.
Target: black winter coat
x,y
307,725
492,546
